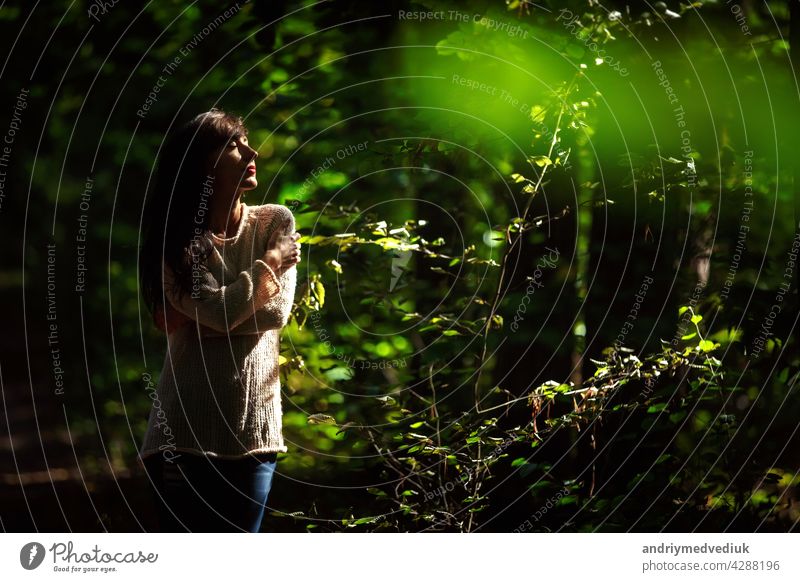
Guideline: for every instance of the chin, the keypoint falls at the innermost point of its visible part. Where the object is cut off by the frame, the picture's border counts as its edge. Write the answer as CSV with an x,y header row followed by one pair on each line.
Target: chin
x,y
249,183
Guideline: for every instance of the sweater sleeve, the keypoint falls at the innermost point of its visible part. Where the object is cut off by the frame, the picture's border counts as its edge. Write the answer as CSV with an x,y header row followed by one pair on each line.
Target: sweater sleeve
x,y
276,311
224,307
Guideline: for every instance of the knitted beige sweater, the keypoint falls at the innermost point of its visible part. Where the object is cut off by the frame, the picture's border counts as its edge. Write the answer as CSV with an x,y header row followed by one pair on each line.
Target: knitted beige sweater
x,y
219,390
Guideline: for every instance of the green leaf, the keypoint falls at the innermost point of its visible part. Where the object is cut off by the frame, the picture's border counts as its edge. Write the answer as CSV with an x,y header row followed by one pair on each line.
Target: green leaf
x,y
387,401
772,477
319,292
678,416
365,520
707,346
541,161
321,419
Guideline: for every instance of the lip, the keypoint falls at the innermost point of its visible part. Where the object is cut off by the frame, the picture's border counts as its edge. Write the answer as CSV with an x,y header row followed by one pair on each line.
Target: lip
x,y
251,169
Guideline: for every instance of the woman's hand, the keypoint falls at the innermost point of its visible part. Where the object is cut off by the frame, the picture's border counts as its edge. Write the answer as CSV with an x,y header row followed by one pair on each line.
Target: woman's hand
x,y
283,252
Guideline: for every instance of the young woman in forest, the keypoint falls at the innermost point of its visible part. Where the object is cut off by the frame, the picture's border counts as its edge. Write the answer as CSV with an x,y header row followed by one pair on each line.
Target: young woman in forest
x,y
219,277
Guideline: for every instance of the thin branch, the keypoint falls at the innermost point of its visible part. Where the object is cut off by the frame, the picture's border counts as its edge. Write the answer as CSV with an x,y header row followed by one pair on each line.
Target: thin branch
x,y
512,245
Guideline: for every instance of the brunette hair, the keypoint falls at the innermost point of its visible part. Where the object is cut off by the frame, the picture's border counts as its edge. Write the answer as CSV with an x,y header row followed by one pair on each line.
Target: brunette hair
x,y
176,213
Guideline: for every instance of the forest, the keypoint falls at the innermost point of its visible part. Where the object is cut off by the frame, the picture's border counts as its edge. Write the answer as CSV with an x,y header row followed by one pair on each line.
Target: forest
x,y
549,257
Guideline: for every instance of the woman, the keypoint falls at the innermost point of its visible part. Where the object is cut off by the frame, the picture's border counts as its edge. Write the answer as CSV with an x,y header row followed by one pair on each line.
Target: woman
x,y
219,277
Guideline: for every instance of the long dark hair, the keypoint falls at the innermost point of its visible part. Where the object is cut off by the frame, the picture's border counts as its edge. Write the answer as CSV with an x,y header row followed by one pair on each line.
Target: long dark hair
x,y
175,222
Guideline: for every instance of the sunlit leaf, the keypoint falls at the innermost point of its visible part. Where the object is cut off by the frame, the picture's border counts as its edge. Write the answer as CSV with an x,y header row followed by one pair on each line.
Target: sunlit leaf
x,y
321,419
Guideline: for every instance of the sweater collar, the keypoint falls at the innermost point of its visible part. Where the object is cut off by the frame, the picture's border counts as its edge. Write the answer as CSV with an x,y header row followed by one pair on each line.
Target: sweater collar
x,y
239,231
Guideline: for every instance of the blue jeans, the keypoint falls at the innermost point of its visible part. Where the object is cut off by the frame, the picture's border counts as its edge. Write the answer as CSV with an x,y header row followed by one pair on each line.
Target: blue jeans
x,y
204,494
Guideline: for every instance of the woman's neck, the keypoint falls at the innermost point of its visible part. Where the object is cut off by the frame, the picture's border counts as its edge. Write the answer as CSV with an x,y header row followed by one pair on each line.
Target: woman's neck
x,y
224,221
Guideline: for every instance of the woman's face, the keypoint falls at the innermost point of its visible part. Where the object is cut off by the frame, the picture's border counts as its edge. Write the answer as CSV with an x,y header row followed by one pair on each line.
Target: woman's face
x,y
234,166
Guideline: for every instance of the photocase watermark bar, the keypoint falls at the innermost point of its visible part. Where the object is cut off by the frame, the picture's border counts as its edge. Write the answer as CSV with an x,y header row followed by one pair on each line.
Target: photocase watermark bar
x,y
615,555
